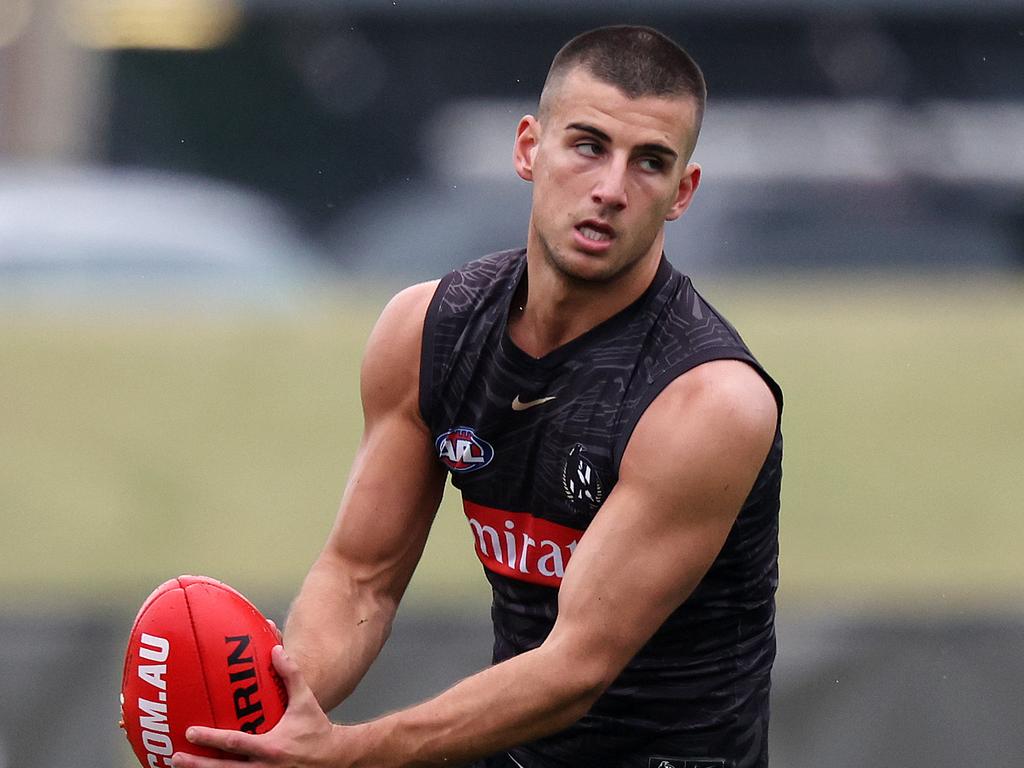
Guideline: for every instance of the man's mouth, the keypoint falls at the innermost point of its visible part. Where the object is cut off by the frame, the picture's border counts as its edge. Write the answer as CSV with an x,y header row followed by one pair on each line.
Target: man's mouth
x,y
595,231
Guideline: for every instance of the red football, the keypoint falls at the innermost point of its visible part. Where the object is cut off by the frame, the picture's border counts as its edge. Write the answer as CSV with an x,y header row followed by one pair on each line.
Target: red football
x,y
199,654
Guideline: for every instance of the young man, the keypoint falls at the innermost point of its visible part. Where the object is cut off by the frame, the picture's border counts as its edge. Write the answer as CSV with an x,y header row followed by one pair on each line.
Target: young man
x,y
618,451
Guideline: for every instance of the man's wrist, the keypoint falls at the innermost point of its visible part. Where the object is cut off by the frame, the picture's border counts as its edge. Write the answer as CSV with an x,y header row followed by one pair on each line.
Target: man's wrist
x,y
360,746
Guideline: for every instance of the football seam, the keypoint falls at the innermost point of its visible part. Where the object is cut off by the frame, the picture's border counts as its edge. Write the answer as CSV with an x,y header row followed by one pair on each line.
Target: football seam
x,y
199,655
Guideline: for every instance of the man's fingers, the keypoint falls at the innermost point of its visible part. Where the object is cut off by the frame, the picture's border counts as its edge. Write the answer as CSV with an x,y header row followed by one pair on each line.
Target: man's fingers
x,y
277,632
185,760
236,742
289,671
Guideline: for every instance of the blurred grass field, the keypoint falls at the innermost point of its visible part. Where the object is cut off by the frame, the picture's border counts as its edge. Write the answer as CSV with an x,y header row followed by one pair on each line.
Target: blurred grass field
x,y
137,447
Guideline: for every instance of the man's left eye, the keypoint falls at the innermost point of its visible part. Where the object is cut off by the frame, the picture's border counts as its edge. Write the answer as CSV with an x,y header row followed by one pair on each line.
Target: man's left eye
x,y
651,164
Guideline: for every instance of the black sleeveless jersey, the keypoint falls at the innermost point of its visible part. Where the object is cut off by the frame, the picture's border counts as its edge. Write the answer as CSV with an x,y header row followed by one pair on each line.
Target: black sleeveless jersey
x,y
534,446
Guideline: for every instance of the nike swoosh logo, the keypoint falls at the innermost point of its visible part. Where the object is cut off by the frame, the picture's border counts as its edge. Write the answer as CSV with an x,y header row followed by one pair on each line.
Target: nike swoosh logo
x,y
519,405
514,760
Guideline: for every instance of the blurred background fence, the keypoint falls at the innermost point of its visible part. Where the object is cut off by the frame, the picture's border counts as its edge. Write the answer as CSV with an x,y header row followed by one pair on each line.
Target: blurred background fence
x,y
205,203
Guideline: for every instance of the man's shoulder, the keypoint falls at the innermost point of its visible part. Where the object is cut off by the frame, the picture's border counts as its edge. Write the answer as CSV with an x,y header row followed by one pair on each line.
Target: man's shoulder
x,y
481,282
494,266
732,387
407,308
724,402
692,332
396,335
693,314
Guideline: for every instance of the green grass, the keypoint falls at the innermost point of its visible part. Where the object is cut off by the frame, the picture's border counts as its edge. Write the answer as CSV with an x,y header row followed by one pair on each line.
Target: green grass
x,y
136,448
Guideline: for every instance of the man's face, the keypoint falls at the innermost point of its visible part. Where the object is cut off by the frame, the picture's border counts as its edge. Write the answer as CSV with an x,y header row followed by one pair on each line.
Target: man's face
x,y
607,171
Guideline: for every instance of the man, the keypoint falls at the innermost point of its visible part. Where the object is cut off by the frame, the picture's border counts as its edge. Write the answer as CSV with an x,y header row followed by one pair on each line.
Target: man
x,y
619,456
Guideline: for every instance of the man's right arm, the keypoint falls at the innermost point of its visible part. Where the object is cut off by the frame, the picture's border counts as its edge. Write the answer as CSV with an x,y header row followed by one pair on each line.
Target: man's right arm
x,y
343,613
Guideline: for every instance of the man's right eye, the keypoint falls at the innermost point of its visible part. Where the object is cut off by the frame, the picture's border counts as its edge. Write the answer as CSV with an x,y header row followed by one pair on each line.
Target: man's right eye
x,y
588,148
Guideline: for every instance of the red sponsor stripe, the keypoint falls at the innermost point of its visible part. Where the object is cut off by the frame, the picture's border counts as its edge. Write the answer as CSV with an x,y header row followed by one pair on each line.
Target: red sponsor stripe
x,y
519,545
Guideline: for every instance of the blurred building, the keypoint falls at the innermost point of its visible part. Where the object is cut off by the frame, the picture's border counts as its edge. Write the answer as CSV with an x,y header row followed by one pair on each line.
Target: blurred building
x,y
839,134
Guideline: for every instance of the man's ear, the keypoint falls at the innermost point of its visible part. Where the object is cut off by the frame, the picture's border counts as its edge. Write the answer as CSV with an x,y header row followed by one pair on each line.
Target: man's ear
x,y
525,150
684,195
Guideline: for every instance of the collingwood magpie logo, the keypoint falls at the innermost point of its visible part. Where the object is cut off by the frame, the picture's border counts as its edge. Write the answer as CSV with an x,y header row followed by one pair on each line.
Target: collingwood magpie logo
x,y
580,480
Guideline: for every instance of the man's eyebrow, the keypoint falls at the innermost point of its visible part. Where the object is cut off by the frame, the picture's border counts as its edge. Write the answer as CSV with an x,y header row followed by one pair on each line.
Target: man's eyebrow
x,y
589,129
655,149
658,149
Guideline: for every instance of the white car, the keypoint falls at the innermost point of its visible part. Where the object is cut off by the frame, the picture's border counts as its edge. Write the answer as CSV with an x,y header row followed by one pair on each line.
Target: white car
x,y
100,234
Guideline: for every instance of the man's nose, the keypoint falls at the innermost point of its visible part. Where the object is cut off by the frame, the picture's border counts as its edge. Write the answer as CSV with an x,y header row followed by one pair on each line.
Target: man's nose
x,y
610,189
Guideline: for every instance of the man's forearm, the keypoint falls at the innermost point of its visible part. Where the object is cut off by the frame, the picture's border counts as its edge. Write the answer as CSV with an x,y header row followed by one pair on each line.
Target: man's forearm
x,y
335,631
532,695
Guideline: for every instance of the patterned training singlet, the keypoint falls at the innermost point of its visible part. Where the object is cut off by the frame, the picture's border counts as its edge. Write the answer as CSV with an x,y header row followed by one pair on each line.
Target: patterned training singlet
x,y
534,446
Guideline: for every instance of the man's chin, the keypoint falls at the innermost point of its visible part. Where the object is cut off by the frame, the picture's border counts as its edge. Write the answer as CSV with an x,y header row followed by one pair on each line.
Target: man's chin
x,y
589,267
584,266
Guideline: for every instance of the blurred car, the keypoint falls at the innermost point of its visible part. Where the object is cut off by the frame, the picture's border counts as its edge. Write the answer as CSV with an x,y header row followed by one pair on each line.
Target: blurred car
x,y
92,234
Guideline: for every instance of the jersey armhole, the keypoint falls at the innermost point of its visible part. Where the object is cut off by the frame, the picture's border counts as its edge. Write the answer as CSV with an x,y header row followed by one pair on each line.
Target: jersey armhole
x,y
426,393
673,373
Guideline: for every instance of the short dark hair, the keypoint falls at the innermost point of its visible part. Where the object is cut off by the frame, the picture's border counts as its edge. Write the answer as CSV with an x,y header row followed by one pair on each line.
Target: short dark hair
x,y
639,61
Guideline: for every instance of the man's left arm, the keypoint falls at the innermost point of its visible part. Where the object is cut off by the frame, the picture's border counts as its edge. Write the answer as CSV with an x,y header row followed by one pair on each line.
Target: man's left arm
x,y
685,473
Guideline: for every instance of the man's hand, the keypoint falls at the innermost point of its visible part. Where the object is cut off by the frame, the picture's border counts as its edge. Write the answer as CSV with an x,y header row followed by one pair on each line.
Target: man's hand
x,y
304,738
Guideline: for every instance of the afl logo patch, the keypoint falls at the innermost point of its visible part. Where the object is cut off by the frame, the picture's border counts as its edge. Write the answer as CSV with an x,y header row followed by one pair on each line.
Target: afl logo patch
x,y
580,480
462,450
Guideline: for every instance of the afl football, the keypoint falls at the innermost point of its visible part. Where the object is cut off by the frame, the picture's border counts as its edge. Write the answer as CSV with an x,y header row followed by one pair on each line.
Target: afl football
x,y
198,654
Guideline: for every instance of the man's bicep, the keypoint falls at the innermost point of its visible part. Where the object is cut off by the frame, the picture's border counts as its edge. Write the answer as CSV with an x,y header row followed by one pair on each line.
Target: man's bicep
x,y
395,483
685,474
393,492
390,372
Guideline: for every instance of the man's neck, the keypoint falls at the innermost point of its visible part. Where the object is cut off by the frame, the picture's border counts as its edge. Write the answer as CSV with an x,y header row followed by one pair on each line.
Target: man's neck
x,y
554,308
